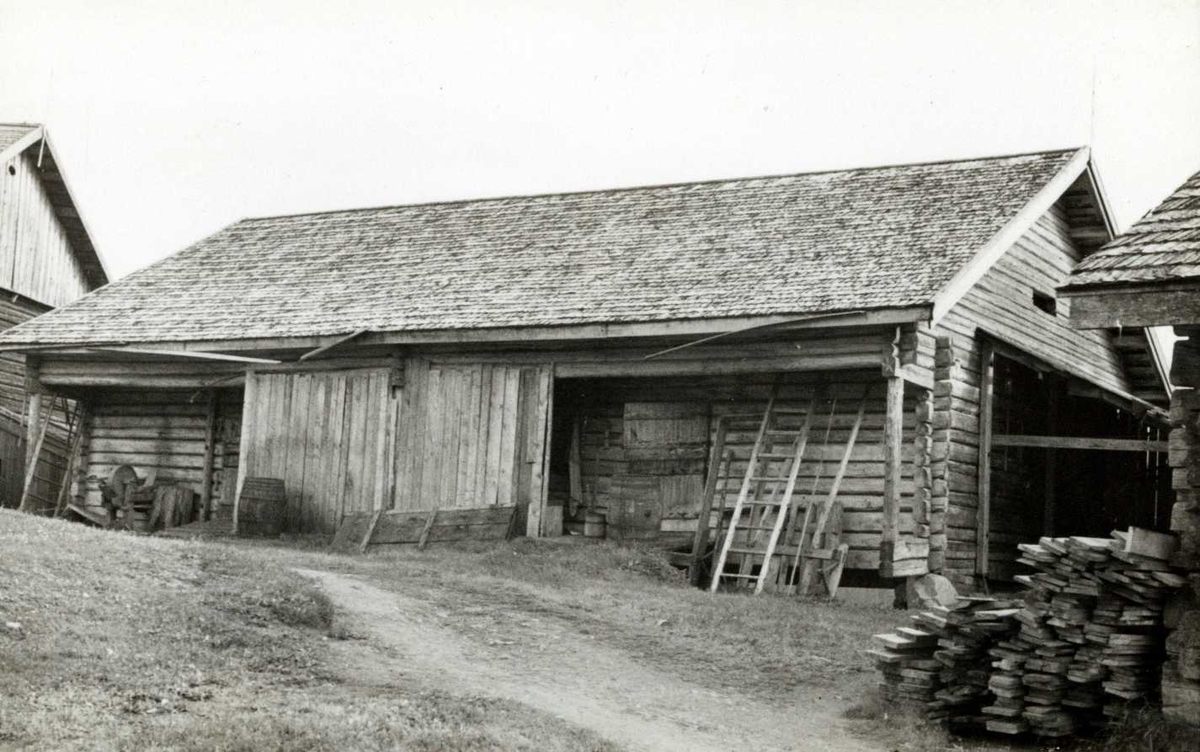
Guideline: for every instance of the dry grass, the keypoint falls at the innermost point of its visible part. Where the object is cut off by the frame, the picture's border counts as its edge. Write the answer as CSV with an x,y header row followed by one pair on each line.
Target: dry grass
x,y
635,601
111,641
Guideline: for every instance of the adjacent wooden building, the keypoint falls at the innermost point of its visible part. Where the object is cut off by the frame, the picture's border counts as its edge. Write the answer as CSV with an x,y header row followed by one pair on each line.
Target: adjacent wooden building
x,y
578,351
47,260
1149,277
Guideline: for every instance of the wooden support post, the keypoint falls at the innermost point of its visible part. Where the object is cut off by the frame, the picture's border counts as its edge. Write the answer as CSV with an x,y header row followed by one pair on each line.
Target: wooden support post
x,y
38,440
73,459
983,519
33,426
366,539
248,408
424,539
700,543
79,474
540,425
893,440
575,468
1050,508
210,445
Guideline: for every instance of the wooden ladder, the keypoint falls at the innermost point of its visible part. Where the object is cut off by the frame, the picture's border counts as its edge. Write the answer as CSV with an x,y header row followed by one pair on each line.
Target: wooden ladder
x,y
766,492
820,553
74,419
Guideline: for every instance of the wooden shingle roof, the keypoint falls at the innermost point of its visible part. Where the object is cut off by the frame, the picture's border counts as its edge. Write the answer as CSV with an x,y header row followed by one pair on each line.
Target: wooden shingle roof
x,y
1164,245
877,238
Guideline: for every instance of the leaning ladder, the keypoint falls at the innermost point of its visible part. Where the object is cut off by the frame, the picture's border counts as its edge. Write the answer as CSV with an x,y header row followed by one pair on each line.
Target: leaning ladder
x,y
767,488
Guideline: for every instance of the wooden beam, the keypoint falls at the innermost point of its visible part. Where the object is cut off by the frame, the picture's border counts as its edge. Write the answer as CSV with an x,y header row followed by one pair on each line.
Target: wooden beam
x,y
1050,475
823,317
336,343
893,441
1149,303
601,369
185,354
31,466
248,409
700,542
582,332
1079,442
32,425
986,401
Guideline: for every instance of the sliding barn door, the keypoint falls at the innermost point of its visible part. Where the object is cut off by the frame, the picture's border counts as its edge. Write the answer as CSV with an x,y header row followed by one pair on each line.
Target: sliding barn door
x,y
473,435
328,435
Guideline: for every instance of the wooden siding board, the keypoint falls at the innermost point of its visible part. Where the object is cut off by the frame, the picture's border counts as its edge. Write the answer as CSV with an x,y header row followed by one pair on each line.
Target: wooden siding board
x,y
36,259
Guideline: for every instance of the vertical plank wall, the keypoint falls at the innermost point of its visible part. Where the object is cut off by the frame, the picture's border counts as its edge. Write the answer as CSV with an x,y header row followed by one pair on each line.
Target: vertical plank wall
x,y
35,256
473,435
13,418
328,435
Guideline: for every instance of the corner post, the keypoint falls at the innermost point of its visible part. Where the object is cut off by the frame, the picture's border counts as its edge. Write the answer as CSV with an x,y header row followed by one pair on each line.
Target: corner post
x,y
893,441
987,376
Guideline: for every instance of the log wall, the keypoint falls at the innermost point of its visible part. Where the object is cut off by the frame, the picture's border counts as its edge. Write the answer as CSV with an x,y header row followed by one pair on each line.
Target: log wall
x,y
601,408
160,431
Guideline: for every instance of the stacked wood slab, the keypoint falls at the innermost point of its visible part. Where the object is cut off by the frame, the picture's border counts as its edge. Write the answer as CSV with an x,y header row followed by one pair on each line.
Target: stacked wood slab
x,y
1081,644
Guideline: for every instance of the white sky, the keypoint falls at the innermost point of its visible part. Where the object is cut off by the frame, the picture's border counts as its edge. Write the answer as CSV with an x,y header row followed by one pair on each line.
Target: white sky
x,y
173,119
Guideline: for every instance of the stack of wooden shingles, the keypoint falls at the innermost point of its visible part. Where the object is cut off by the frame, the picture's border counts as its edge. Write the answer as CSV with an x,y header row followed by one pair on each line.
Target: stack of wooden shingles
x,y
941,662
1082,643
910,672
1090,634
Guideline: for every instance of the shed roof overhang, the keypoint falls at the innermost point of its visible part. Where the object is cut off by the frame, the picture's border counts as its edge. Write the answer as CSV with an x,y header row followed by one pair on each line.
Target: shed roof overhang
x,y
547,336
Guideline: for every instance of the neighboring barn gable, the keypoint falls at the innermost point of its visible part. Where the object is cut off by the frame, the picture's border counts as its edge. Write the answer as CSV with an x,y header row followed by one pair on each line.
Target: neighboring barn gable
x,y
47,260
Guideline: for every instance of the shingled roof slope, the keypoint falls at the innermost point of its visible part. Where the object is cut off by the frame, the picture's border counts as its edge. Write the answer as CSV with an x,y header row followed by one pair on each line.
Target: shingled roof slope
x,y
834,241
1163,245
10,133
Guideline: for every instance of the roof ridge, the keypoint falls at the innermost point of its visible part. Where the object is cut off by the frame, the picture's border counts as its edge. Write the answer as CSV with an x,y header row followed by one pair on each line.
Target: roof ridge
x,y
652,186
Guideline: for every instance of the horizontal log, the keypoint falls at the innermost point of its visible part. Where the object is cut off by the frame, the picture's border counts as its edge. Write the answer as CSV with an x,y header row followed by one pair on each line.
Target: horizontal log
x,y
1079,442
601,369
488,523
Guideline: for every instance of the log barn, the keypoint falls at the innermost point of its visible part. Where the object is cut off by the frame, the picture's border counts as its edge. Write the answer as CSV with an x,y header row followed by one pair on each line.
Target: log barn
x,y
1150,276
600,352
47,260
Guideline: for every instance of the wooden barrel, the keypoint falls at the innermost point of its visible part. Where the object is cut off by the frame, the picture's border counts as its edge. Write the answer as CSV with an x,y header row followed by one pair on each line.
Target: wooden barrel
x,y
262,508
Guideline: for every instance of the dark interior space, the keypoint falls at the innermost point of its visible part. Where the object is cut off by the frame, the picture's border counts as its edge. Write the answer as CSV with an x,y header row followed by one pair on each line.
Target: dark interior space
x,y
1040,491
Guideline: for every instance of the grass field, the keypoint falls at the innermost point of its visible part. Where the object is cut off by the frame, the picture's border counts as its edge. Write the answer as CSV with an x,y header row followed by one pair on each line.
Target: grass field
x,y
110,641
113,641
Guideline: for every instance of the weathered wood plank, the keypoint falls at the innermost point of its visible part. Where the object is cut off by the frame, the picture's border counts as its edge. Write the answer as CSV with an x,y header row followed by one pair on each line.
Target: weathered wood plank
x,y
983,515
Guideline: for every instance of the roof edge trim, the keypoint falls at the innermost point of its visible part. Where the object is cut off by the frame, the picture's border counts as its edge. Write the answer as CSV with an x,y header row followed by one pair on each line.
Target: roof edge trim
x,y
23,143
513,335
962,282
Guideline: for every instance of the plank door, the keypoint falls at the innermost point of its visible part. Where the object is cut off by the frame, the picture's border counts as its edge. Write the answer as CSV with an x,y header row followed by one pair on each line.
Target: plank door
x,y
472,436
666,446
328,436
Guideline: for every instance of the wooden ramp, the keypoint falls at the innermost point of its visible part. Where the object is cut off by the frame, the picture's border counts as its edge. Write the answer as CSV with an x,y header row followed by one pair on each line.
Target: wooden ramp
x,y
361,531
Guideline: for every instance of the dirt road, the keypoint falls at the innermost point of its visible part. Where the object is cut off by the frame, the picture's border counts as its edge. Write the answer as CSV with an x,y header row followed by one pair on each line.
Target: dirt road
x,y
473,648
